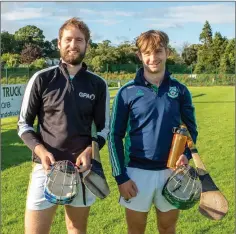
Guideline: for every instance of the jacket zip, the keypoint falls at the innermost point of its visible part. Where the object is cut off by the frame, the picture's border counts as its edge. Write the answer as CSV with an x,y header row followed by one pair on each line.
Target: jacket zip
x,y
74,104
74,100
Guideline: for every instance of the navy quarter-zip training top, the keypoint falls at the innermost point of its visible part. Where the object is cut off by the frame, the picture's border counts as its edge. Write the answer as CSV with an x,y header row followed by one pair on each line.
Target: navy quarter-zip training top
x,y
65,110
145,115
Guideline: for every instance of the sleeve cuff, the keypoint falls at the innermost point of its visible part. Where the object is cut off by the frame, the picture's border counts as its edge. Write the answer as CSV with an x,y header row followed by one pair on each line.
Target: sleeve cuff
x,y
187,153
120,179
31,140
101,141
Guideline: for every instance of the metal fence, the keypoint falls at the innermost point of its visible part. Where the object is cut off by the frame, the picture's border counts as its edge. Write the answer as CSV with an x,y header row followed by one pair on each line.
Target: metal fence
x,y
124,73
22,72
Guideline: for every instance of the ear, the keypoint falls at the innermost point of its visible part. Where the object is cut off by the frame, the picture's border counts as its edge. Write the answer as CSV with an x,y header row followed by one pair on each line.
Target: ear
x,y
168,52
59,44
87,45
139,55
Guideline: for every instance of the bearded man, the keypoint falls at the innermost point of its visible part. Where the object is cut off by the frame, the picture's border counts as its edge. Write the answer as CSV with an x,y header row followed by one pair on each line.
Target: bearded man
x,y
66,99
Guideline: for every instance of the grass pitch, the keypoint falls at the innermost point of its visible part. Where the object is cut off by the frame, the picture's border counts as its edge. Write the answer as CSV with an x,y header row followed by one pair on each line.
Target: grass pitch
x,y
215,114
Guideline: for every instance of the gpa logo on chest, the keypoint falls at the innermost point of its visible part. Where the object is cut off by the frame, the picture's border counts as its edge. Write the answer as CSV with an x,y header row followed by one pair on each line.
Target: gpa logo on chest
x,y
86,95
173,92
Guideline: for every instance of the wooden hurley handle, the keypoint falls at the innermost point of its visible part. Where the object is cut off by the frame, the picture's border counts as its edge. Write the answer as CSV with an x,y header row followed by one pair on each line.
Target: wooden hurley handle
x,y
95,151
196,158
199,164
95,146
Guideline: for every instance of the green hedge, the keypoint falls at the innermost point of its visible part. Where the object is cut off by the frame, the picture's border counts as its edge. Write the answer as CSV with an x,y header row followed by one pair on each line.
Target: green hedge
x,y
206,79
113,78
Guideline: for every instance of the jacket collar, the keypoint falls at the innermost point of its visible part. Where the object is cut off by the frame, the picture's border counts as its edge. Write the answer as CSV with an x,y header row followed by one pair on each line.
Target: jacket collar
x,y
140,79
63,67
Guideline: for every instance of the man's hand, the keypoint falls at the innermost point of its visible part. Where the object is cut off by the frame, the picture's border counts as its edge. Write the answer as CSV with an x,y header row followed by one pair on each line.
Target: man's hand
x,y
182,160
83,161
46,157
128,189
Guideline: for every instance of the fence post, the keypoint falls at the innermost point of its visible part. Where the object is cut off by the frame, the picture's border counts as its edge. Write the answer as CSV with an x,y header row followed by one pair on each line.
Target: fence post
x,y
28,72
6,75
216,77
106,70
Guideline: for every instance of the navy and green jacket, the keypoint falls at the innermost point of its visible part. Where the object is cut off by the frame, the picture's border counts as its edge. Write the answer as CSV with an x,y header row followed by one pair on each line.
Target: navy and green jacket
x,y
145,115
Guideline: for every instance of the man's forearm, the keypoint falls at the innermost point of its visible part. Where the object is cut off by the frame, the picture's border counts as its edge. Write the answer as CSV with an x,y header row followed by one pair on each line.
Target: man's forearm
x,y
31,139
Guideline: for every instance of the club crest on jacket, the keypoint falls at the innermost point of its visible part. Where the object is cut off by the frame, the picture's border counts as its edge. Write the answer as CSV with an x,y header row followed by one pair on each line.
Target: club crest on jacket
x,y
173,92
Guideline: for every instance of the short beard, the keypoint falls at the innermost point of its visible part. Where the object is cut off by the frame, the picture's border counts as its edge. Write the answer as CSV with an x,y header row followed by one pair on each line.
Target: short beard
x,y
72,59
159,70
150,71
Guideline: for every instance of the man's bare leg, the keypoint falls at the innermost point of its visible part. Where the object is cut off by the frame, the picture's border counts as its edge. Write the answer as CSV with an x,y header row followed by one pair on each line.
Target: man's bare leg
x,y
39,221
166,221
136,221
76,219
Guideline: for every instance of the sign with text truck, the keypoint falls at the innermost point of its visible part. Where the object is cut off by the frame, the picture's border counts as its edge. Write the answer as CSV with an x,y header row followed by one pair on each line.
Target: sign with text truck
x,y
11,98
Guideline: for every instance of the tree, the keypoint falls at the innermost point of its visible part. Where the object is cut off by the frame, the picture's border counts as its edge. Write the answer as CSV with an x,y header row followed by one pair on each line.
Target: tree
x,y
174,56
201,62
30,53
206,34
104,54
11,60
50,49
92,44
217,50
38,64
204,60
47,49
8,42
55,51
227,63
30,34
189,54
54,43
126,53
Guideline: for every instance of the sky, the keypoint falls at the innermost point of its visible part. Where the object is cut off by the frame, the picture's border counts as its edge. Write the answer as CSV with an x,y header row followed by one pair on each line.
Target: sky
x,y
124,21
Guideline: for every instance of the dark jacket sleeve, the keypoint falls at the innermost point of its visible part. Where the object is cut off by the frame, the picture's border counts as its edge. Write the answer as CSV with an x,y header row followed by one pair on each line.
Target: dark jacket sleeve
x,y
118,125
29,109
101,114
188,117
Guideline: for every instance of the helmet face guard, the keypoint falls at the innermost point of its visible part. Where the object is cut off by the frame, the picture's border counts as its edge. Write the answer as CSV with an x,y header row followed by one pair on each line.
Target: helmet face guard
x,y
61,185
183,188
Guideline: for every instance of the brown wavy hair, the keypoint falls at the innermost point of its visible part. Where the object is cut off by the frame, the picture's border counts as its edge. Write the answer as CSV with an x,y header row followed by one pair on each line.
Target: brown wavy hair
x,y
77,23
151,40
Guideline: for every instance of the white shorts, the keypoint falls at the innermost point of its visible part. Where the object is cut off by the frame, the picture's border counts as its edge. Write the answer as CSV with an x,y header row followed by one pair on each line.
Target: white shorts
x,y
150,185
35,196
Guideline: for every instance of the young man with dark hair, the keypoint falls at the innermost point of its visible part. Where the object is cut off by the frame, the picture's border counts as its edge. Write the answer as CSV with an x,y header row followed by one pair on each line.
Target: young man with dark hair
x,y
66,99
145,111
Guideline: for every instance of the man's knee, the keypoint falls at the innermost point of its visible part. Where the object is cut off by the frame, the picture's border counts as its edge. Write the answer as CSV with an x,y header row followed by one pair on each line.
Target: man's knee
x,y
136,228
167,221
136,221
75,227
167,229
76,219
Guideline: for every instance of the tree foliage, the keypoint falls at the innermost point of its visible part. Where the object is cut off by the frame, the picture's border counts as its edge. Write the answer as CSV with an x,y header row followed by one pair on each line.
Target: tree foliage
x,y
30,53
213,54
11,60
206,34
8,43
189,54
38,64
227,63
30,34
